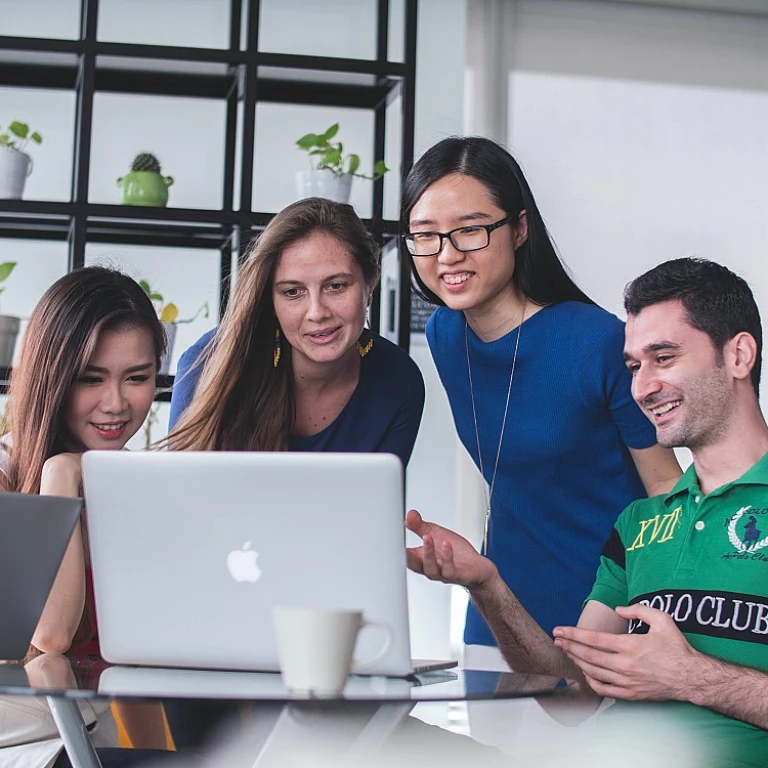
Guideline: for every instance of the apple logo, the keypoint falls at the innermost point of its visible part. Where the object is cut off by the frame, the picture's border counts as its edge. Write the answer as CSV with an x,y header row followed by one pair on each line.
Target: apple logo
x,y
242,563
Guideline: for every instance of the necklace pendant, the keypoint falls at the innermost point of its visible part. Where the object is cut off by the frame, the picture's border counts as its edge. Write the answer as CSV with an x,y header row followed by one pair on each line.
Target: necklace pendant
x,y
489,494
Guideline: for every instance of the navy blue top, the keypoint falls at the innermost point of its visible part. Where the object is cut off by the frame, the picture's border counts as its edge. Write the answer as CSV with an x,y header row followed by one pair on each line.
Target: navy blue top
x,y
382,416
565,472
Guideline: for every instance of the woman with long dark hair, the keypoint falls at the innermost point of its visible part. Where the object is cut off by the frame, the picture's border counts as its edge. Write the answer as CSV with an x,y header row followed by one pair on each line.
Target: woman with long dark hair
x,y
534,373
85,380
292,366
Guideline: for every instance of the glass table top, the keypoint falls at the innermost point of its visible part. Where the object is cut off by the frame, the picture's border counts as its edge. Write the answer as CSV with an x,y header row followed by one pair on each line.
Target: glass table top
x,y
83,677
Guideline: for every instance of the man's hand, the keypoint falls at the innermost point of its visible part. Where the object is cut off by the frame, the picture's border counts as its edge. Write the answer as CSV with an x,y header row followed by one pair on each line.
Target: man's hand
x,y
445,556
635,667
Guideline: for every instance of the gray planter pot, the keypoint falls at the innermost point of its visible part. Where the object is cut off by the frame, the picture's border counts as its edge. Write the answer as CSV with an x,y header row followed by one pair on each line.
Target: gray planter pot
x,y
9,330
323,184
15,166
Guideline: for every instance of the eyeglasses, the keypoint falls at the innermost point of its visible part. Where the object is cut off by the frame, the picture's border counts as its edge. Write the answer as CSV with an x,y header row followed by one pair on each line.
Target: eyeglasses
x,y
474,237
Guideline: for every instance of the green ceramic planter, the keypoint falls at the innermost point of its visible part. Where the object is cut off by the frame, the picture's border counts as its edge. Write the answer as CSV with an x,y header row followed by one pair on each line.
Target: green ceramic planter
x,y
144,188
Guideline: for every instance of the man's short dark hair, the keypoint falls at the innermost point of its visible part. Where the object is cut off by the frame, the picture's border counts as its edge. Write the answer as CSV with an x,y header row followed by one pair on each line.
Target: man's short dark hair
x,y
716,301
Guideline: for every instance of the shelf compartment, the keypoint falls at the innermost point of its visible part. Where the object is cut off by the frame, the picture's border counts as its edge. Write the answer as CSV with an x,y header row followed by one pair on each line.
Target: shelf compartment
x,y
179,227
105,210
152,234
151,213
197,226
40,45
13,47
284,90
39,69
165,70
39,227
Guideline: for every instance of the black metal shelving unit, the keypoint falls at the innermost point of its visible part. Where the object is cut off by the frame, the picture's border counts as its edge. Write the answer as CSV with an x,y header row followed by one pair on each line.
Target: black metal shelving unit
x,y
242,76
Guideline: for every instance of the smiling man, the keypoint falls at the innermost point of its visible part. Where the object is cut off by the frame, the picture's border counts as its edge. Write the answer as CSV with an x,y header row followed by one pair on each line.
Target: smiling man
x,y
679,609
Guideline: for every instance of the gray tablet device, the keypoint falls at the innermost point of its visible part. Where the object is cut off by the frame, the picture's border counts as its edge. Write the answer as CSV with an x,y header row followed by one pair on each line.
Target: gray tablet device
x,y
34,533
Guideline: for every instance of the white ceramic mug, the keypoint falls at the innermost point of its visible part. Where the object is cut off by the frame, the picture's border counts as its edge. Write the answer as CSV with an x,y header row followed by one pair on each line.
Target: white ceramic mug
x,y
316,648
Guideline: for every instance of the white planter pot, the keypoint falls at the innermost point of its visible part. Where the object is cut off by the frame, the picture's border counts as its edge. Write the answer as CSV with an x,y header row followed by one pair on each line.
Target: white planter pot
x,y
170,334
9,330
15,166
323,184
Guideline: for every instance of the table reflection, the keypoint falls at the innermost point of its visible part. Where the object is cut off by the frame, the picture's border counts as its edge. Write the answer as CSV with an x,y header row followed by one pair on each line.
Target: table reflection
x,y
29,732
88,676
370,719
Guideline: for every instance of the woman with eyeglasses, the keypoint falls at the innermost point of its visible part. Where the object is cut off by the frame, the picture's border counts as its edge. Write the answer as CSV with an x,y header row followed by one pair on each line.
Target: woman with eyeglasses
x,y
534,373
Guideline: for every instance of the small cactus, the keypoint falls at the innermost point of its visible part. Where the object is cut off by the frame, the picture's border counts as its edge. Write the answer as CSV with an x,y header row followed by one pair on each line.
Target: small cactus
x,y
144,161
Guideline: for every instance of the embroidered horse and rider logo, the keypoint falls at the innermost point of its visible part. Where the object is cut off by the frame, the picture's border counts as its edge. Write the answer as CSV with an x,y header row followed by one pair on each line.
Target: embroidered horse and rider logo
x,y
744,534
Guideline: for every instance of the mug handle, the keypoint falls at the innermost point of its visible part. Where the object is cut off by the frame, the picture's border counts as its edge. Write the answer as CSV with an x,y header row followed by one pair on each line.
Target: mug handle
x,y
31,165
359,666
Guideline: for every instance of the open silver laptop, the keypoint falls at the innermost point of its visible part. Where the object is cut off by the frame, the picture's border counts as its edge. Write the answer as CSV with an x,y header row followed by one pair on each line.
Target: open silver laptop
x,y
191,551
34,533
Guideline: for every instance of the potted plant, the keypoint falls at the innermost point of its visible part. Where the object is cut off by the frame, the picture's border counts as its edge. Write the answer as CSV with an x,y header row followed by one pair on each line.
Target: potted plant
x,y
168,313
332,171
15,163
9,325
145,185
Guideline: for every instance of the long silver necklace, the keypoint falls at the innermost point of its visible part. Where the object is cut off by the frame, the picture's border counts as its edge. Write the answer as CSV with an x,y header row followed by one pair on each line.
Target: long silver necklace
x,y
488,495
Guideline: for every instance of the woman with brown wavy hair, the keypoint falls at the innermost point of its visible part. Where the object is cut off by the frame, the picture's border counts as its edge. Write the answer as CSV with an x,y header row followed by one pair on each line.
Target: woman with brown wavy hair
x,y
292,366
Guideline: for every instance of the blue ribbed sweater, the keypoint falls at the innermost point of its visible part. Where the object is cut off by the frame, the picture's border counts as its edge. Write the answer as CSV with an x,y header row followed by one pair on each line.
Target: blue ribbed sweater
x,y
565,472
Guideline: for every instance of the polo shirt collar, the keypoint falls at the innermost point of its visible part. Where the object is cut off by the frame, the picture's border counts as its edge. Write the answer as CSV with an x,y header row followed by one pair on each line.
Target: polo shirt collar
x,y
757,474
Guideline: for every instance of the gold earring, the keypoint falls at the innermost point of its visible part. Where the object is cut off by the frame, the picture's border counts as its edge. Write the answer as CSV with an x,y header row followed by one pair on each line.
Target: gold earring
x,y
364,345
276,350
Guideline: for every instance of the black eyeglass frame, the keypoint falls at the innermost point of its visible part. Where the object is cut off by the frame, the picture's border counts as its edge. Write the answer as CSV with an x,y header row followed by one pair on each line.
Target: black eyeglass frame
x,y
410,245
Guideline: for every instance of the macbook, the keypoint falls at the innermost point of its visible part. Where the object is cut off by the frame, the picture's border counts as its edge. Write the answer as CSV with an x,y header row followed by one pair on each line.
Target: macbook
x,y
34,533
192,550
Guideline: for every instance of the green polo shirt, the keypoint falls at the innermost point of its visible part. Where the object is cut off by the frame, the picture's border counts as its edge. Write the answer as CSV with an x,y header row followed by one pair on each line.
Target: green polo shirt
x,y
703,559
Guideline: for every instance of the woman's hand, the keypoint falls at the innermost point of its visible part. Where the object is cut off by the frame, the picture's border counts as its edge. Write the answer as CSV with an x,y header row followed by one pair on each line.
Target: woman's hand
x,y
445,556
62,475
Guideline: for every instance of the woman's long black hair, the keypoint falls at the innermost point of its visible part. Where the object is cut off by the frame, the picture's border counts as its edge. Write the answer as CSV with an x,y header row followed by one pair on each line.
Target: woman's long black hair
x,y
539,273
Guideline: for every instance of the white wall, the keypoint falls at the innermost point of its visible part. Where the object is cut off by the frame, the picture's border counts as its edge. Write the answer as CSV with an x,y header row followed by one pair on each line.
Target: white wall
x,y
644,133
432,471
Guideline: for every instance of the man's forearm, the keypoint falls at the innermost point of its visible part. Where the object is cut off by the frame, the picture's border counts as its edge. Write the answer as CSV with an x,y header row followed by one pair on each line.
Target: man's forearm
x,y
732,690
524,644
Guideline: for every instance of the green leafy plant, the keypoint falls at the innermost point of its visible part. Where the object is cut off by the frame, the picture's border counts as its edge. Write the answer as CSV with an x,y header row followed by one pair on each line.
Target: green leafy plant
x,y
168,312
328,155
5,270
17,136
